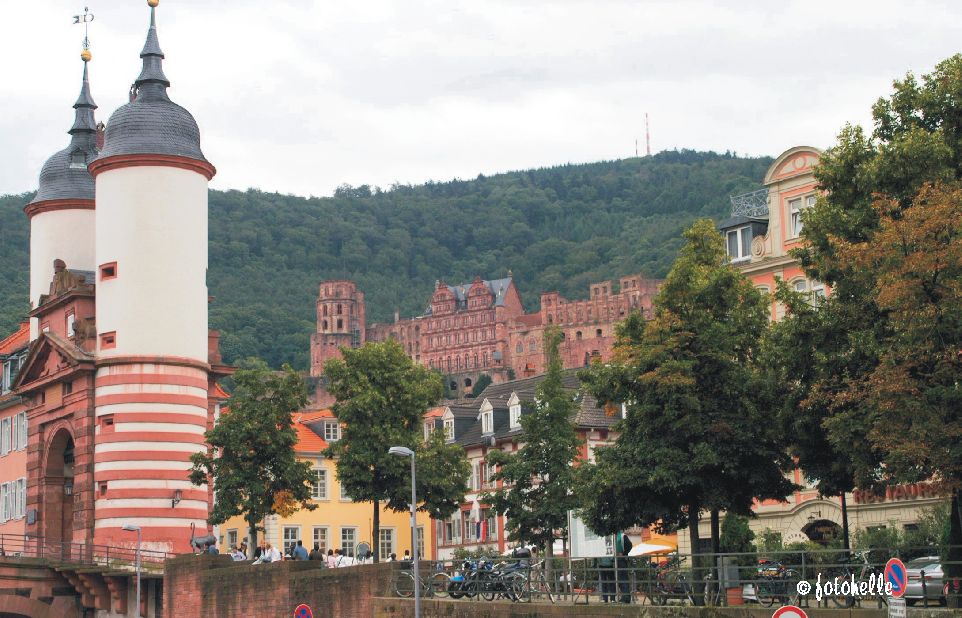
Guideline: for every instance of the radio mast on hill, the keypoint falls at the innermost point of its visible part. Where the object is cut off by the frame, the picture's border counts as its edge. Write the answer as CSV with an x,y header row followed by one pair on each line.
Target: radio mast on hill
x,y
647,138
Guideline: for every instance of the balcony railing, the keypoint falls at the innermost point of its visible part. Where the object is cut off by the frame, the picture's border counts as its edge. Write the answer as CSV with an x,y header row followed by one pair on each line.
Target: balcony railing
x,y
113,557
754,204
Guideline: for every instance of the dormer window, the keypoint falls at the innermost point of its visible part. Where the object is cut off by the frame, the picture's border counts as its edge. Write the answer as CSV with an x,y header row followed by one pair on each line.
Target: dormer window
x,y
449,428
332,431
428,428
487,422
739,243
515,416
78,160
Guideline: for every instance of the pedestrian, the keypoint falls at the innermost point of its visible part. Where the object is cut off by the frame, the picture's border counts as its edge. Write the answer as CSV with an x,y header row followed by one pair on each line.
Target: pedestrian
x,y
212,549
237,555
259,552
270,553
407,555
331,558
606,573
299,552
316,553
623,564
243,548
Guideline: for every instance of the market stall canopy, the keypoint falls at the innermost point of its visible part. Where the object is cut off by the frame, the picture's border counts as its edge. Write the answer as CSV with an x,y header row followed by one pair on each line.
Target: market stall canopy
x,y
647,549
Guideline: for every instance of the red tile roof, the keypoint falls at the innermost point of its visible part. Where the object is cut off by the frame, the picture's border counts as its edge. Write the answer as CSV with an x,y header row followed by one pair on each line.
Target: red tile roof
x,y
17,340
307,440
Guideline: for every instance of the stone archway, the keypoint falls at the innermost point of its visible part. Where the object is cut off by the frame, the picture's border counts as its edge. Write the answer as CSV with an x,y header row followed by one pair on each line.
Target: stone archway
x,y
826,512
56,489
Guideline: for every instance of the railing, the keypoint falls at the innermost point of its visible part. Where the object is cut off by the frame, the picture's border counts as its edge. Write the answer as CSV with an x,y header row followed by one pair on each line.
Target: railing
x,y
113,557
754,204
765,578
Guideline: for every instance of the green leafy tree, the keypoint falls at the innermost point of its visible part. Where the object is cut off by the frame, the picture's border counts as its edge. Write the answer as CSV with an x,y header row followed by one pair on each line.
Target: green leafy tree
x,y
252,463
538,478
381,396
879,226
696,435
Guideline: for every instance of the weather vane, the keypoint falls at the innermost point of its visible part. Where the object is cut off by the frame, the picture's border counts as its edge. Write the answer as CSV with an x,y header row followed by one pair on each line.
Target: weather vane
x,y
85,19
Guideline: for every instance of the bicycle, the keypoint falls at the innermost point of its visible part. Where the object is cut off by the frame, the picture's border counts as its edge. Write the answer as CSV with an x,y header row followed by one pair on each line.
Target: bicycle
x,y
776,583
436,585
669,583
537,587
866,571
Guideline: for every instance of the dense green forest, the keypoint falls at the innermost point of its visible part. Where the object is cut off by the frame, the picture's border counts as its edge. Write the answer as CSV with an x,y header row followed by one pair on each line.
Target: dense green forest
x,y
556,228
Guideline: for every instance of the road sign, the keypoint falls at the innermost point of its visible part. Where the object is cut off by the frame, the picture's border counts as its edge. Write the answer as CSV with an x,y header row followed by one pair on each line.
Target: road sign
x,y
303,611
895,574
897,608
790,611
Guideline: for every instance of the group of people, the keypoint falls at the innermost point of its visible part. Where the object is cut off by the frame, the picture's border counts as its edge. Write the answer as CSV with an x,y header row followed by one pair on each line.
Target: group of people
x,y
267,552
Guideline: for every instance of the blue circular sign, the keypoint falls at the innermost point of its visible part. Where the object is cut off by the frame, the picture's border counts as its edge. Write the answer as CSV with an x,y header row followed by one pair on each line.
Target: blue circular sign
x,y
896,575
303,611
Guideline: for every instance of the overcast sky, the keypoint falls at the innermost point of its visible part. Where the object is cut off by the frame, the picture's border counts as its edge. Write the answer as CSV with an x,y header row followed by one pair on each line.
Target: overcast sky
x,y
300,96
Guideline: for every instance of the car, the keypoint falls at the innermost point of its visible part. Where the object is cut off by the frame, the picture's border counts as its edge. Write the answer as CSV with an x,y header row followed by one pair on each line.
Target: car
x,y
931,566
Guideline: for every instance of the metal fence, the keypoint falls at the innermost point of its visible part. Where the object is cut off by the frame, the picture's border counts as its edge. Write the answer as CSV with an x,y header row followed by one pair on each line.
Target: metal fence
x,y
121,558
809,578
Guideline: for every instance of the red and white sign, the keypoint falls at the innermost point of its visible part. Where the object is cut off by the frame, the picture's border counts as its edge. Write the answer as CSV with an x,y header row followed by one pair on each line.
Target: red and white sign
x,y
790,611
303,611
896,575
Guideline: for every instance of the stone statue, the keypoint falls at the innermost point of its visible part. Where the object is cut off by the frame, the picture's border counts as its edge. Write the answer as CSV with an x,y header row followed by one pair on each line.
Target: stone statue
x,y
63,279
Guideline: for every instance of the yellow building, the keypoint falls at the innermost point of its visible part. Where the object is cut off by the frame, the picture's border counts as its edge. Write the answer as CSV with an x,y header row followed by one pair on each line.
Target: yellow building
x,y
337,522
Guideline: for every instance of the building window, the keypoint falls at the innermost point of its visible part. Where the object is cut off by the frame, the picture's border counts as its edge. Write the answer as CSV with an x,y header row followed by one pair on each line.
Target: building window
x,y
321,538
385,545
420,537
533,346
348,541
231,538
818,293
108,341
108,271
319,486
332,431
70,322
292,534
449,429
740,243
598,333
515,416
519,348
578,335
487,422
344,495
5,436
66,388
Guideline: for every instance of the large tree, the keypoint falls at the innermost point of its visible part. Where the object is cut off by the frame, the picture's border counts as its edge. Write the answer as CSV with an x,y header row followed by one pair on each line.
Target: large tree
x,y
872,182
696,435
382,396
538,478
252,463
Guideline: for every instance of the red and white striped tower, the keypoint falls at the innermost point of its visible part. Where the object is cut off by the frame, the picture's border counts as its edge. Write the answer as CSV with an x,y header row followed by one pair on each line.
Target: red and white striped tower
x,y
152,350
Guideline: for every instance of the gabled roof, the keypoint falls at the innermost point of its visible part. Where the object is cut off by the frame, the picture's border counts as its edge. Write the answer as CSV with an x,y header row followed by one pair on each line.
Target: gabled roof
x,y
497,287
310,430
39,351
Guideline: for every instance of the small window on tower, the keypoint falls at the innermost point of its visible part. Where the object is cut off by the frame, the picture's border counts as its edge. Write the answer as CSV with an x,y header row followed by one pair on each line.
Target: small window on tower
x,y
103,489
78,160
108,271
108,340
107,423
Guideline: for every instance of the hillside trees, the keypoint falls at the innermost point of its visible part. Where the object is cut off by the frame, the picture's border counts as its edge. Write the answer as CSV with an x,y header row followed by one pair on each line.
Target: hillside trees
x,y
695,436
555,228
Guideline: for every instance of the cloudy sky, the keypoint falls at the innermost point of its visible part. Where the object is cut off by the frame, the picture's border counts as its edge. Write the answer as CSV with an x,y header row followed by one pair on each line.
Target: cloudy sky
x,y
300,96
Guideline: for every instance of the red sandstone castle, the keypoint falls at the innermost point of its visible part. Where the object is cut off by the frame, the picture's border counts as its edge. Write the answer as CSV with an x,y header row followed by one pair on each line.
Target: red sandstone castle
x,y
481,327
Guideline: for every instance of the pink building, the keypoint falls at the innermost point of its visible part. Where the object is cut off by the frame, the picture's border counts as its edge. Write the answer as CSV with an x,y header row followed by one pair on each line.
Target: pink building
x,y
13,435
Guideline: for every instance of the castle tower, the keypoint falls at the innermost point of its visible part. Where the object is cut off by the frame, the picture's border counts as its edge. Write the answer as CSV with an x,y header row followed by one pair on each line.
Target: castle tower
x,y
152,377
340,322
62,213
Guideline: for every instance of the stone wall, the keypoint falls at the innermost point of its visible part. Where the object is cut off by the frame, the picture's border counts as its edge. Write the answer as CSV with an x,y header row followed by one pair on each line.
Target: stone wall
x,y
216,586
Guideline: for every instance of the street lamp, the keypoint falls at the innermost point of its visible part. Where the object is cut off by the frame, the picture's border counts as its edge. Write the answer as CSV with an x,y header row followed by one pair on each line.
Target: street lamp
x,y
135,528
403,451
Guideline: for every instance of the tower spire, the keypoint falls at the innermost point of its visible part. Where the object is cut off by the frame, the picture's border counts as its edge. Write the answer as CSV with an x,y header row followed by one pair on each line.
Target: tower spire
x,y
84,121
153,70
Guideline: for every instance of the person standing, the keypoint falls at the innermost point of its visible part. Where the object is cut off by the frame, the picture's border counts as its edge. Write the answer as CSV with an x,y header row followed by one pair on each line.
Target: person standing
x,y
299,552
316,553
623,546
331,558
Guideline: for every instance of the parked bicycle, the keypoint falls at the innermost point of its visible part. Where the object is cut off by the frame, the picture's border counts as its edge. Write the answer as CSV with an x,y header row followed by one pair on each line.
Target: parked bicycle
x,y
861,569
776,582
436,584
670,582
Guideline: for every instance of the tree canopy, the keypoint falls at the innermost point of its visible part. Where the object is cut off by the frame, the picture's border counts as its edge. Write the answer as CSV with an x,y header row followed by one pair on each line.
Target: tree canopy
x,y
538,478
557,228
252,461
382,396
696,434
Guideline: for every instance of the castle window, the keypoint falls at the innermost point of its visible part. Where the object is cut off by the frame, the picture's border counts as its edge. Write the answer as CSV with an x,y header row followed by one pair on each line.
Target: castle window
x,y
578,335
67,388
532,346
598,333
324,310
324,325
340,310
467,382
108,341
340,324
69,324
78,160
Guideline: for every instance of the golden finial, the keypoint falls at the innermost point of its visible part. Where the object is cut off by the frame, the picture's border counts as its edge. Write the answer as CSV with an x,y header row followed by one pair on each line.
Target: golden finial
x,y
153,3
85,55
85,19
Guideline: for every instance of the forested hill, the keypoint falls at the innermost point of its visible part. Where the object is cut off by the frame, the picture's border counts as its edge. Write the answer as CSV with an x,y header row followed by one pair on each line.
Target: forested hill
x,y
556,228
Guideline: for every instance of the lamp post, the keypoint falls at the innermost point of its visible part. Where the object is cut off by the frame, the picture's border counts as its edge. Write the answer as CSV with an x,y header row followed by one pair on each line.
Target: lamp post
x,y
403,451
135,528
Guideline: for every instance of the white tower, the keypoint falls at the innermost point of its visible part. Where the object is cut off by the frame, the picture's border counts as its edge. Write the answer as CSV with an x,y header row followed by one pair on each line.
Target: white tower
x,y
62,213
152,368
